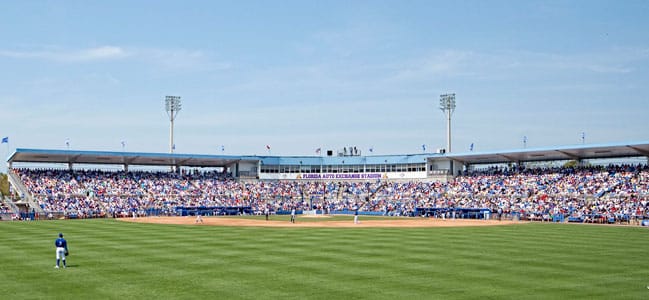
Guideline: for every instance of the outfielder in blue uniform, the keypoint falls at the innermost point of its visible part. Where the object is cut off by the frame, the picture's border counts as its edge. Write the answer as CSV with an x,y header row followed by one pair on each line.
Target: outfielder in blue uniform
x,y
61,250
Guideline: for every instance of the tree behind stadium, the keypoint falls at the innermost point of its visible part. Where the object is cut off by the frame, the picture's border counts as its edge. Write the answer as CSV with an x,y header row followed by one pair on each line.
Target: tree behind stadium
x,y
4,185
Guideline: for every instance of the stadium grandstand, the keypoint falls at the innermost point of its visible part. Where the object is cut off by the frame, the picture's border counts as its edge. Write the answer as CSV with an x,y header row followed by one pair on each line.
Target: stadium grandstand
x,y
560,184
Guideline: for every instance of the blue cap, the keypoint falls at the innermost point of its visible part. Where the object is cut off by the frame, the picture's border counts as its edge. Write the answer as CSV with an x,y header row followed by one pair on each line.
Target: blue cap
x,y
60,234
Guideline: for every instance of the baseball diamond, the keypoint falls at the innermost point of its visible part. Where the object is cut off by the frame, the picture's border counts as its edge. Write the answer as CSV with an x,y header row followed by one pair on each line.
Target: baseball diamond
x,y
128,260
511,232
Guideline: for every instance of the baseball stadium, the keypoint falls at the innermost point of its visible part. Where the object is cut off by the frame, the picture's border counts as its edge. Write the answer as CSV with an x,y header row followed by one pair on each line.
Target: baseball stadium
x,y
558,222
368,191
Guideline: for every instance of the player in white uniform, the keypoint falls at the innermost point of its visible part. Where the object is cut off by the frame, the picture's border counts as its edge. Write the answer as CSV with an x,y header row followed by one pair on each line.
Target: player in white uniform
x,y
356,214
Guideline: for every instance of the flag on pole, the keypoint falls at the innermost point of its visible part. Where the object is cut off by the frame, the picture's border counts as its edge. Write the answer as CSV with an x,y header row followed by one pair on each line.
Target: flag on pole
x,y
173,147
371,149
222,148
123,143
423,147
67,143
268,147
317,151
5,140
471,147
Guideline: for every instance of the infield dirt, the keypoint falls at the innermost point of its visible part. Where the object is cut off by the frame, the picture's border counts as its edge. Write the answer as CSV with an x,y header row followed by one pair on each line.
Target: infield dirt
x,y
388,222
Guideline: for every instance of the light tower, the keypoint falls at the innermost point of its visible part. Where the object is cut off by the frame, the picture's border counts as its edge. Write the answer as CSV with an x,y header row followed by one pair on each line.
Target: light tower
x,y
447,105
172,105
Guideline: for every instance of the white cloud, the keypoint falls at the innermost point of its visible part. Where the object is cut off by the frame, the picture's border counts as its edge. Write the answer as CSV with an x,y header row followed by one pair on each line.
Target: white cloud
x,y
99,53
439,64
165,58
607,61
512,65
65,55
179,59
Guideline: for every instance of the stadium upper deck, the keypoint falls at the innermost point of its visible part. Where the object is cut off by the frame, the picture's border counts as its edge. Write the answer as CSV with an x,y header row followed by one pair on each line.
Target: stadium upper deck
x,y
406,166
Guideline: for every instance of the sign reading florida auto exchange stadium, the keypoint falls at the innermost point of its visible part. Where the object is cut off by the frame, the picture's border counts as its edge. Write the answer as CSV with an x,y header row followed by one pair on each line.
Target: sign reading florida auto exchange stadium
x,y
341,176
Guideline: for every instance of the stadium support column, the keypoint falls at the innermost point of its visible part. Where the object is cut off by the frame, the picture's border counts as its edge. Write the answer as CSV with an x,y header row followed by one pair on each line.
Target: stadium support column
x,y
447,105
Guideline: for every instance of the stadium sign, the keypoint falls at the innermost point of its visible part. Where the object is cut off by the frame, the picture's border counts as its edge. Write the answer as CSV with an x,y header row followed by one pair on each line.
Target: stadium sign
x,y
340,176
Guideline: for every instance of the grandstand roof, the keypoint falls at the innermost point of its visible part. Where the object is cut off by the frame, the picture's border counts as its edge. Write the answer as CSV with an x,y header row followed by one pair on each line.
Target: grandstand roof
x,y
574,152
130,158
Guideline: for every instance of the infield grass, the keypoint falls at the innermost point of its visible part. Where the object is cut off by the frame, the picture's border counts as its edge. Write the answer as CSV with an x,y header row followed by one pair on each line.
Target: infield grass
x,y
117,260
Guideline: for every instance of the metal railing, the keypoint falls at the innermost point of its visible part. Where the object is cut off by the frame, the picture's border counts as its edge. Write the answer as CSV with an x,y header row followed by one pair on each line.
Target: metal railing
x,y
17,183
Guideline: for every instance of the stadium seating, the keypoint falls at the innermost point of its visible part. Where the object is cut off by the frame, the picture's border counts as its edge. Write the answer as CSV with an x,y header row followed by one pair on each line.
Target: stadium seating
x,y
613,194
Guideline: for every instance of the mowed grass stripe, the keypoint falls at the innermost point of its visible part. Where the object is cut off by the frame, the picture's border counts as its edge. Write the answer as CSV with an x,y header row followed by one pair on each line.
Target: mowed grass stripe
x,y
112,259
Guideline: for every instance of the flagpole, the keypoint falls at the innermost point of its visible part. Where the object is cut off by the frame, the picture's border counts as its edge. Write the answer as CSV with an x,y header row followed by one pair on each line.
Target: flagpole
x,y
5,140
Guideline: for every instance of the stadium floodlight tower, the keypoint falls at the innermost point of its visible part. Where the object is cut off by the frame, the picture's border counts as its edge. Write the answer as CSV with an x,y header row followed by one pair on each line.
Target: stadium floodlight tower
x,y
447,105
172,105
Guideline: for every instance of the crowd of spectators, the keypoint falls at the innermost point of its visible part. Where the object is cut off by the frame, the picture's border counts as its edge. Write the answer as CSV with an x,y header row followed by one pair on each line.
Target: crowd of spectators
x,y
4,208
580,193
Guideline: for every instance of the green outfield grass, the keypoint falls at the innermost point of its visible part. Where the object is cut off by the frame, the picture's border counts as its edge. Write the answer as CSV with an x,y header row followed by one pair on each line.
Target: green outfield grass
x,y
114,260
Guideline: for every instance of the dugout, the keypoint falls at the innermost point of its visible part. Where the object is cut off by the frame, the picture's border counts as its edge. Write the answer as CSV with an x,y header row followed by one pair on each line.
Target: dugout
x,y
213,210
458,213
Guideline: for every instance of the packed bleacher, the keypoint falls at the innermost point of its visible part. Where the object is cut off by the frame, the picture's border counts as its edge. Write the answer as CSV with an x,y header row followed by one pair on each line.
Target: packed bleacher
x,y
4,209
613,194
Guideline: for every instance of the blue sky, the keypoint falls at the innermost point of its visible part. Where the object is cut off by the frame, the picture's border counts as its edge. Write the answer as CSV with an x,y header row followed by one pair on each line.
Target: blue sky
x,y
301,75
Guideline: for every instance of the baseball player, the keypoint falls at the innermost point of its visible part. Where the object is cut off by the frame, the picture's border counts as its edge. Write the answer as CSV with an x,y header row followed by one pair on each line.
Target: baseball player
x,y
356,208
266,212
61,250
293,215
199,218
